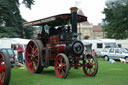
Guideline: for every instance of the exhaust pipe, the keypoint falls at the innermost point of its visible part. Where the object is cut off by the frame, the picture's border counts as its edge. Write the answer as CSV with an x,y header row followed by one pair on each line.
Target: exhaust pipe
x,y
74,19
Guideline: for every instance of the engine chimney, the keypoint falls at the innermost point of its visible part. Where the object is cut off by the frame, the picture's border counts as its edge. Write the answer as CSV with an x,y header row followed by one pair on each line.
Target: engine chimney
x,y
74,19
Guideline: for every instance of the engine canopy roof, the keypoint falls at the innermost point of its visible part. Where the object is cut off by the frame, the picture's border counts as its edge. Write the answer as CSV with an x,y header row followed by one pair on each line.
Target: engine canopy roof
x,y
57,20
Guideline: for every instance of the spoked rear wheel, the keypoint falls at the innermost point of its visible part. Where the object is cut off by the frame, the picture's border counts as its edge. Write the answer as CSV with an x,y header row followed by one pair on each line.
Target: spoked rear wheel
x,y
62,66
33,56
90,65
5,69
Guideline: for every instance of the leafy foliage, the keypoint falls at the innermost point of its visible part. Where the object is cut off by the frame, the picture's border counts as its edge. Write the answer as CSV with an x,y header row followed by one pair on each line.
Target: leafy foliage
x,y
10,18
28,3
116,20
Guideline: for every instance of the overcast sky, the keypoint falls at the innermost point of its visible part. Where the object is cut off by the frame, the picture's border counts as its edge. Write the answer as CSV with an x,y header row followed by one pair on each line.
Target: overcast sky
x,y
45,8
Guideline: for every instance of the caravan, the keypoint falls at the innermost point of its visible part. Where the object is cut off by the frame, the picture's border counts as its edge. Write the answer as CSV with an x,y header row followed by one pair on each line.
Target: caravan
x,y
123,43
12,43
7,42
99,44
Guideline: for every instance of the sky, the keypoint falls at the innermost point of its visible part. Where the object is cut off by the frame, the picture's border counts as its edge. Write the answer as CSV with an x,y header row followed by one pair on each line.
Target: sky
x,y
46,8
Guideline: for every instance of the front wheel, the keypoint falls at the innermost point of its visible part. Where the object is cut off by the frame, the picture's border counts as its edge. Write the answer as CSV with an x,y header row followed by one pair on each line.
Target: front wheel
x,y
126,59
5,69
90,65
61,66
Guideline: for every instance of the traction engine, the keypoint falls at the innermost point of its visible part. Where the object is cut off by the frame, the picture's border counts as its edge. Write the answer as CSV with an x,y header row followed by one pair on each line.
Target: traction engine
x,y
58,45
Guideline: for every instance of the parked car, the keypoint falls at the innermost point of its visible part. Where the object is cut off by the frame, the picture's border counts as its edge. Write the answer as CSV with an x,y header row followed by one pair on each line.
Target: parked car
x,y
10,53
104,52
114,53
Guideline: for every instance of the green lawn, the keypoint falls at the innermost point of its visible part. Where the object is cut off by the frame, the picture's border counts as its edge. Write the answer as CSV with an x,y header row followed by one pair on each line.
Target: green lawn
x,y
108,74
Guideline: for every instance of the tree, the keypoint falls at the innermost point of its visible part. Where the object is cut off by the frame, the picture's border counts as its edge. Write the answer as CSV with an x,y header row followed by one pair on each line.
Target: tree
x,y
10,18
115,23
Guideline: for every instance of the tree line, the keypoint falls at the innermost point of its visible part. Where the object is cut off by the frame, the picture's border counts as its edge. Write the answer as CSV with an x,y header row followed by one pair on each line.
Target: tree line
x,y
115,23
11,20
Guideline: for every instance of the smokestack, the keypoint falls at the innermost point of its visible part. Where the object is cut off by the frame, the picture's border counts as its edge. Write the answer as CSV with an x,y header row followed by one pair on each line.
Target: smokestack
x,y
74,18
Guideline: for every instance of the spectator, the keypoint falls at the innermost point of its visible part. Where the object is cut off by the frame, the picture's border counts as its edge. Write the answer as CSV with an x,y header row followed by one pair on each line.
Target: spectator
x,y
20,55
94,53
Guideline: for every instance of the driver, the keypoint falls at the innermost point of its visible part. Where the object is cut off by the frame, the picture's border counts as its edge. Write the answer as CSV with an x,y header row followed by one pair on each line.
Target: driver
x,y
44,37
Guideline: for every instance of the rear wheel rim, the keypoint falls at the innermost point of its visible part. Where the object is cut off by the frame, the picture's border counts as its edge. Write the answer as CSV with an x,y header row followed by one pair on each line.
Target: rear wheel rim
x,y
61,67
32,56
2,69
90,66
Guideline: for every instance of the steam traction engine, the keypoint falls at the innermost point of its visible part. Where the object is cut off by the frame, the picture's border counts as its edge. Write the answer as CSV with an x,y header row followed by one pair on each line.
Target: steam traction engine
x,y
57,46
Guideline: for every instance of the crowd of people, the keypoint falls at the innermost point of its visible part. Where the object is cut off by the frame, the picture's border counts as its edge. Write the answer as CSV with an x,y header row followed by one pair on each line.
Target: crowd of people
x,y
93,53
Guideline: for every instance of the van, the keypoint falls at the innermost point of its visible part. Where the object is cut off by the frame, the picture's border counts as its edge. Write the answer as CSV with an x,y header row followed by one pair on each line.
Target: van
x,y
99,44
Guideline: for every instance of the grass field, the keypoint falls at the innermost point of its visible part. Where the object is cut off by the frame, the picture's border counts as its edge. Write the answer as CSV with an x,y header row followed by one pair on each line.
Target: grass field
x,y
108,74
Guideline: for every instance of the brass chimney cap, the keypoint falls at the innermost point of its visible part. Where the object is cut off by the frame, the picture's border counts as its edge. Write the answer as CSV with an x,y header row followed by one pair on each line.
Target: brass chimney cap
x,y
73,9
